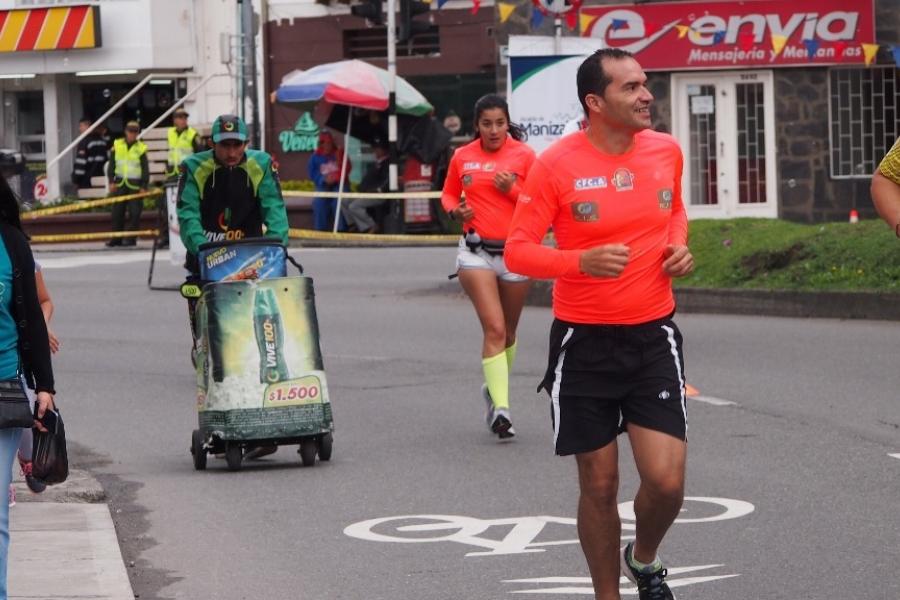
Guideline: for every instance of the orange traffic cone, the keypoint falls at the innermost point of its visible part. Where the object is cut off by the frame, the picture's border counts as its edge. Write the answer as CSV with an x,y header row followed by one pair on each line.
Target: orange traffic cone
x,y
854,216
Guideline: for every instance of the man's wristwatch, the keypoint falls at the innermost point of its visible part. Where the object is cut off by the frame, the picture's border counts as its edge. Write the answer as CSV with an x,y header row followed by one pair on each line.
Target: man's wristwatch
x,y
453,217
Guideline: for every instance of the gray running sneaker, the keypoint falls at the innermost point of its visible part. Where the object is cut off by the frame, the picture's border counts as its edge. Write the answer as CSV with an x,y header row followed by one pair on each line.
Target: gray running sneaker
x,y
498,419
652,585
502,424
489,412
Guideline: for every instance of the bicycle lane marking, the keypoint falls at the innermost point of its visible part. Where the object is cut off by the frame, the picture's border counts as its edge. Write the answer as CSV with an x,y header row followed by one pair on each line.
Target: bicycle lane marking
x,y
583,585
522,538
694,394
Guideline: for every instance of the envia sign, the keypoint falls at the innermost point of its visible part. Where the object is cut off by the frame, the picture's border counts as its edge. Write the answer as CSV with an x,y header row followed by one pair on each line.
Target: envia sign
x,y
770,33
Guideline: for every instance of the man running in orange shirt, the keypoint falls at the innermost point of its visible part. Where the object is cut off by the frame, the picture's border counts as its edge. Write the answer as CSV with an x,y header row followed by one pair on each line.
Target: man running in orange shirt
x,y
612,194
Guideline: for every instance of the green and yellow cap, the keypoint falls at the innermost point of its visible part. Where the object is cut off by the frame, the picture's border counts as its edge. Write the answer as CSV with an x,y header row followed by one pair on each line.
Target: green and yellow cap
x,y
229,127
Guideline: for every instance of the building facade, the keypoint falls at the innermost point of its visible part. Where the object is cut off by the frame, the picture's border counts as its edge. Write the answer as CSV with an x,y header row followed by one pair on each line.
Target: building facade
x,y
453,64
60,61
782,109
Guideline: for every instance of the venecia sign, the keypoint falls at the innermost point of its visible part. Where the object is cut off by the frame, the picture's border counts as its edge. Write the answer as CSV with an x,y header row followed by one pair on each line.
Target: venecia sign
x,y
772,33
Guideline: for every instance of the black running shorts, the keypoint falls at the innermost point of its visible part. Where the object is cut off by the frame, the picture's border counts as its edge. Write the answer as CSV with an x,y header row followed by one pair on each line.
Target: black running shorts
x,y
602,377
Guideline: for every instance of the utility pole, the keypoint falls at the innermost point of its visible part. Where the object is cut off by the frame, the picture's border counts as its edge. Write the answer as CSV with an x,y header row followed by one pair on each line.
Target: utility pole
x,y
394,222
248,34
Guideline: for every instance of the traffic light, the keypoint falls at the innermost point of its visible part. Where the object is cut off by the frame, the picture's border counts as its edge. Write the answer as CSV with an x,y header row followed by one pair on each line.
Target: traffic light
x,y
408,28
369,10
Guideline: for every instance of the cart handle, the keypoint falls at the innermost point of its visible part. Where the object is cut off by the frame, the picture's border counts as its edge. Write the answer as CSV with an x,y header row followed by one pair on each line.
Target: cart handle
x,y
295,263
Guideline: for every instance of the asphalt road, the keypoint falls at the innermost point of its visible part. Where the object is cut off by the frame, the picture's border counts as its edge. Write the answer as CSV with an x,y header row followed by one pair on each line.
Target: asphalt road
x,y
794,492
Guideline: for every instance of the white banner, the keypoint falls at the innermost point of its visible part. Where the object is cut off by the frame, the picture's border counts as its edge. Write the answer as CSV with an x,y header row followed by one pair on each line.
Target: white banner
x,y
177,251
541,85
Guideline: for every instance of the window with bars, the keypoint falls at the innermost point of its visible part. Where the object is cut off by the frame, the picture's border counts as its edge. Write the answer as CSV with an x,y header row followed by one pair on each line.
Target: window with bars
x,y
372,43
864,108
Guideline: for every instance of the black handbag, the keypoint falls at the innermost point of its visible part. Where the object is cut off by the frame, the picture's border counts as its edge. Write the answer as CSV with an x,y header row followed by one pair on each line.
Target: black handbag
x,y
15,410
49,458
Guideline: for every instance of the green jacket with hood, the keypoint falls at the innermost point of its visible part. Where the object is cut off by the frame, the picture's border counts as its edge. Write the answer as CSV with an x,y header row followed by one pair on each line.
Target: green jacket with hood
x,y
218,203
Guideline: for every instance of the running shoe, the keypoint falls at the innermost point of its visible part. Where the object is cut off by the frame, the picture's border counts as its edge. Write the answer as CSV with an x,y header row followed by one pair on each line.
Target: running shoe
x,y
502,424
12,496
497,419
650,585
33,484
489,412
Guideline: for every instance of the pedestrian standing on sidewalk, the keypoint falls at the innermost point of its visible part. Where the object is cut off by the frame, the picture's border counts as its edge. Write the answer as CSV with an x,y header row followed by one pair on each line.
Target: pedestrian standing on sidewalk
x,y
490,170
24,343
612,194
886,188
129,173
25,443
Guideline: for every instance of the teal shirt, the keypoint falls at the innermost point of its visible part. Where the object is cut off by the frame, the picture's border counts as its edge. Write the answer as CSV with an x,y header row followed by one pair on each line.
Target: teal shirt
x,y
9,335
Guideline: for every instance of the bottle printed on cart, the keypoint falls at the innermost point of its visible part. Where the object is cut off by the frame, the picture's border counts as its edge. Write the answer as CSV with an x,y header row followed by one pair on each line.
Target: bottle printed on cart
x,y
269,337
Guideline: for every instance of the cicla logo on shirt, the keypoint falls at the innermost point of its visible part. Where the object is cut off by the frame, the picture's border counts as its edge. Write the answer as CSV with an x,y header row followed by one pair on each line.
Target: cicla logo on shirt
x,y
471,166
590,183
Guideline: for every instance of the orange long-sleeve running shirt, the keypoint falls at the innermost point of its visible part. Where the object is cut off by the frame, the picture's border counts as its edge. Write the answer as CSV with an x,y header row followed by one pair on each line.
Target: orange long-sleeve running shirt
x,y
591,198
472,171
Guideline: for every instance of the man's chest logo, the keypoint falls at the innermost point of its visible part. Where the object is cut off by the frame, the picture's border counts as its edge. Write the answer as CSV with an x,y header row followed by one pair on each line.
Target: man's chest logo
x,y
585,212
665,199
623,179
589,183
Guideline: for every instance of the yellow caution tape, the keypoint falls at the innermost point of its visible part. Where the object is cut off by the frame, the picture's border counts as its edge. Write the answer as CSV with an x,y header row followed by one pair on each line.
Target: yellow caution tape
x,y
309,234
58,210
354,195
86,237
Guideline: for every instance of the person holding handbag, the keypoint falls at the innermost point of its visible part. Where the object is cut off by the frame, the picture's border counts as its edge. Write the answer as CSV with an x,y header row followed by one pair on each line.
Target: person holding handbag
x,y
24,349
25,443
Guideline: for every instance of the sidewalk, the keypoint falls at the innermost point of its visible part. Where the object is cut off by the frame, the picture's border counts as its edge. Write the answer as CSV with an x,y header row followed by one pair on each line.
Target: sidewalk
x,y
63,544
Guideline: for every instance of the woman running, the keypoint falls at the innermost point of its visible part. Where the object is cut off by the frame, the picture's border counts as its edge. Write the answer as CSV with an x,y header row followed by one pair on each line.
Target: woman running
x,y
490,171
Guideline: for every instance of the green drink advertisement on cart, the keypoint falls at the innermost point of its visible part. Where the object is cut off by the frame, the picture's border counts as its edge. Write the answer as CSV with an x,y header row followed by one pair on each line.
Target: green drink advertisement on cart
x,y
259,368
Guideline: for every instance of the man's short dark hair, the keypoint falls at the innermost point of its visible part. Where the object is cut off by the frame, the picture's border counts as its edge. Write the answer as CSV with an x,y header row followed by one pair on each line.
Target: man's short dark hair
x,y
85,120
592,79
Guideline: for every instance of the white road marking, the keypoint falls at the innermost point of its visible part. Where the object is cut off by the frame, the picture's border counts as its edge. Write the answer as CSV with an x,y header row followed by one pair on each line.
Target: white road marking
x,y
713,400
625,586
894,455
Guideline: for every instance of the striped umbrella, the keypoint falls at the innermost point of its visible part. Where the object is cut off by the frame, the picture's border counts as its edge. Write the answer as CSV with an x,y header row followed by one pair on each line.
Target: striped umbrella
x,y
353,83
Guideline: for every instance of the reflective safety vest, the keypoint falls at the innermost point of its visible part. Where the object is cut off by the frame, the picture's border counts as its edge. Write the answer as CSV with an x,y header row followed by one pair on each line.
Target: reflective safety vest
x,y
181,145
128,162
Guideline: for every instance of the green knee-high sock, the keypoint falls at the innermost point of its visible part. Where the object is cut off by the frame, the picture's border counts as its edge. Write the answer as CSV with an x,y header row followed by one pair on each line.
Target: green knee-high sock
x,y
511,355
496,375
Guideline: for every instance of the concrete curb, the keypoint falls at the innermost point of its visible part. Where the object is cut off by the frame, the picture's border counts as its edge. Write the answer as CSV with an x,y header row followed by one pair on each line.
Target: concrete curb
x,y
879,306
81,487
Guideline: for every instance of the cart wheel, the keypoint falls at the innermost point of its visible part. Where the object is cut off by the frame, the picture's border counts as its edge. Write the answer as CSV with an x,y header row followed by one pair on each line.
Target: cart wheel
x,y
198,450
308,451
325,446
233,456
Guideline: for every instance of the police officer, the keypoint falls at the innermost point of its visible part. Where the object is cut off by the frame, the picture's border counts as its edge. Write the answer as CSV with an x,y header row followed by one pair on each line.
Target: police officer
x,y
129,173
183,141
